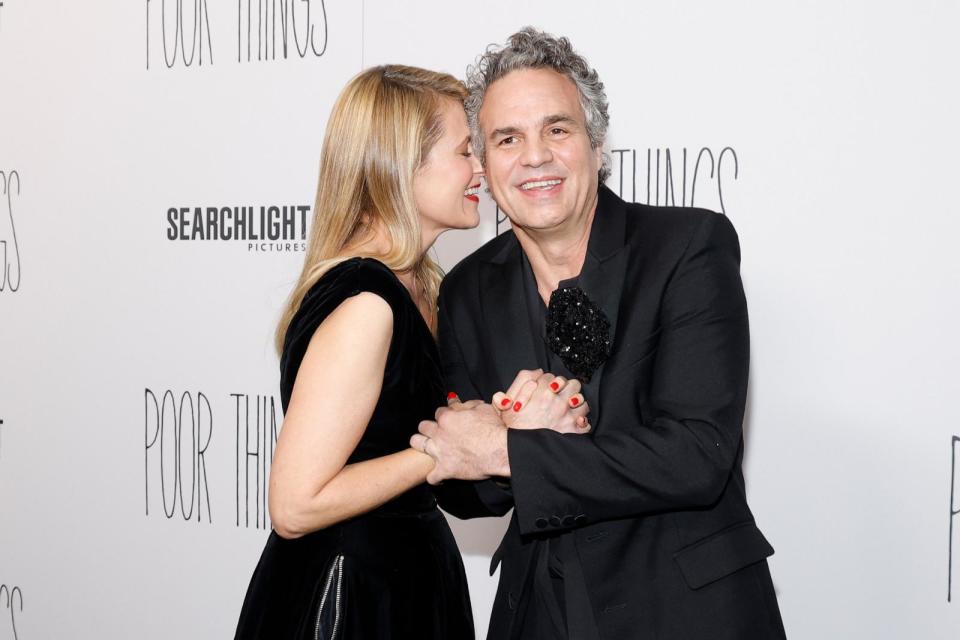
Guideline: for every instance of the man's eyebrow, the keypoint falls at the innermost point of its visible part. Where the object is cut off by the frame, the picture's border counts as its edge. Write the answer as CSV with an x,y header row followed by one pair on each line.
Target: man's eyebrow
x,y
558,118
555,118
504,131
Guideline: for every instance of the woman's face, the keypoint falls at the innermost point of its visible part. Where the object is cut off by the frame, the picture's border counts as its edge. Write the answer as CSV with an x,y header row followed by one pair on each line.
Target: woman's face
x,y
446,184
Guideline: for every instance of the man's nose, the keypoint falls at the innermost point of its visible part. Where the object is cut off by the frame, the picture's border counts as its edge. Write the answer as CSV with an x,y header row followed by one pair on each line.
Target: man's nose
x,y
536,152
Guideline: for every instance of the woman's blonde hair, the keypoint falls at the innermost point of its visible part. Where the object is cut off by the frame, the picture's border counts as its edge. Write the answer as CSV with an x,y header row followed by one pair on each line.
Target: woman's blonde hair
x,y
380,131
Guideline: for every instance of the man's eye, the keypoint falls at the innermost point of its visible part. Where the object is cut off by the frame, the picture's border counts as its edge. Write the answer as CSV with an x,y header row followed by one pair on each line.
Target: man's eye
x,y
507,140
557,131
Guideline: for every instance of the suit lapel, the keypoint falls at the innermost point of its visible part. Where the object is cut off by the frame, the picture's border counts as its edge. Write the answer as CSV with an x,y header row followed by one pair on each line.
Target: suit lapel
x,y
511,345
603,275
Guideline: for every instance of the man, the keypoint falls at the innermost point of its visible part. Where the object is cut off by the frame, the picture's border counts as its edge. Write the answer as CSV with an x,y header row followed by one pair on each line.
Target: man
x,y
639,528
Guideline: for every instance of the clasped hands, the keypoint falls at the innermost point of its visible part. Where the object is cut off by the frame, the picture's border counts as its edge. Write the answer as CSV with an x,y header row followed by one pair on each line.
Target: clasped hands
x,y
468,440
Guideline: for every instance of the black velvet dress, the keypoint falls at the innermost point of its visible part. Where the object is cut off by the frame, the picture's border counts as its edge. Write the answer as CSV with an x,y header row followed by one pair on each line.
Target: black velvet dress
x,y
394,572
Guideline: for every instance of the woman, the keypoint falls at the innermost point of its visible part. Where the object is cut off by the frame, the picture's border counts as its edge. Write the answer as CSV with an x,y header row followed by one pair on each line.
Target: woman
x,y
359,548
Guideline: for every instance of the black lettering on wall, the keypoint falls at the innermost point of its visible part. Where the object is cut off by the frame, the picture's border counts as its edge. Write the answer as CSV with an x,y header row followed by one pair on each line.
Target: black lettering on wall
x,y
9,246
254,449
298,26
178,18
724,153
164,439
669,179
9,596
954,511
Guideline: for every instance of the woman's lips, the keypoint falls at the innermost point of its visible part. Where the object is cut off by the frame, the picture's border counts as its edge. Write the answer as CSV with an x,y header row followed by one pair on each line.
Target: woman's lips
x,y
471,193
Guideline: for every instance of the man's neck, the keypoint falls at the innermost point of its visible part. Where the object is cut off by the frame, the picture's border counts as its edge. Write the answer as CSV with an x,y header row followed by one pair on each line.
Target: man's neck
x,y
556,254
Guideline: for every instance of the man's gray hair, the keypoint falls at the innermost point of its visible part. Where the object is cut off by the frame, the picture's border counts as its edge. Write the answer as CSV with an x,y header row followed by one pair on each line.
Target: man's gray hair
x,y
530,48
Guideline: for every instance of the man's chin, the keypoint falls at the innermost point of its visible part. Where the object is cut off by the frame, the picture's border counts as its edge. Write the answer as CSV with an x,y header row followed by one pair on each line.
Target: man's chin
x,y
542,220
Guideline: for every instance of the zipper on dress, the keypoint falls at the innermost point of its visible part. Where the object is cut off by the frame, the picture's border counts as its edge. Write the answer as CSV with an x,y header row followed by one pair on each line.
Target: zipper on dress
x,y
335,568
336,615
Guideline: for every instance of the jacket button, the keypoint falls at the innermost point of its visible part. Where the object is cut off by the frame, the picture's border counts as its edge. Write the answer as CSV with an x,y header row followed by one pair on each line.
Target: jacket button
x,y
555,521
580,519
567,521
540,522
511,600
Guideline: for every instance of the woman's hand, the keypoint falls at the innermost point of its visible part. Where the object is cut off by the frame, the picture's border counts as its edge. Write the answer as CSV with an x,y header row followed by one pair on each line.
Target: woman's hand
x,y
538,400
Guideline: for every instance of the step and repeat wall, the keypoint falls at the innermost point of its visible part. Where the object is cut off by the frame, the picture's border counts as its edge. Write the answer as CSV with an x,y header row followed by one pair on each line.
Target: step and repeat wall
x,y
158,162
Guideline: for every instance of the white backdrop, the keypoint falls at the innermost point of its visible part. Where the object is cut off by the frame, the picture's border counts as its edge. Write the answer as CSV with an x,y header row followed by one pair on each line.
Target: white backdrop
x,y
830,129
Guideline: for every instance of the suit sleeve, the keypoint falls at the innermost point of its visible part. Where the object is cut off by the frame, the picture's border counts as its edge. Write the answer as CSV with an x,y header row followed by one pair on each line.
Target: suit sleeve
x,y
464,499
682,454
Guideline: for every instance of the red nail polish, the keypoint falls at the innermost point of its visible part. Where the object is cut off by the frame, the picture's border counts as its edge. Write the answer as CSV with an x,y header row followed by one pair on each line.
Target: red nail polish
x,y
554,385
574,401
505,402
451,395
517,406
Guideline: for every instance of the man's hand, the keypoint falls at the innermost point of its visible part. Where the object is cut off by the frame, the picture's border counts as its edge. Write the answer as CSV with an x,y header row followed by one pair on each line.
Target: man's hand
x,y
538,400
467,442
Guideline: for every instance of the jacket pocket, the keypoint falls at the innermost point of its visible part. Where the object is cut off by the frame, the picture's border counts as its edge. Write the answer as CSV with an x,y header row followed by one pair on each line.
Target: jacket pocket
x,y
721,554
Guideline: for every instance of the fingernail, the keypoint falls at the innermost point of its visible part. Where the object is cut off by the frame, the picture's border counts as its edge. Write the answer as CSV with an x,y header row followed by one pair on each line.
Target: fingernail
x,y
554,385
451,395
517,406
574,401
505,402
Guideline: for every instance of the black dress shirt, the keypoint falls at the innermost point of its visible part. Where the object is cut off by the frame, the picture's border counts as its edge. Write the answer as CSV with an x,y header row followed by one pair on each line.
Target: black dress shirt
x,y
545,617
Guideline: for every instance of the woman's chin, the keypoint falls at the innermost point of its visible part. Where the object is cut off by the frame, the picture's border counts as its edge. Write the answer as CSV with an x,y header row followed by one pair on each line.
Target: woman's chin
x,y
472,217
467,220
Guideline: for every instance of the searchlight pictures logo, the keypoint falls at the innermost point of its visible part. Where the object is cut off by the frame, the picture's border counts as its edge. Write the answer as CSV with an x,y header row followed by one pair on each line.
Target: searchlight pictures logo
x,y
263,229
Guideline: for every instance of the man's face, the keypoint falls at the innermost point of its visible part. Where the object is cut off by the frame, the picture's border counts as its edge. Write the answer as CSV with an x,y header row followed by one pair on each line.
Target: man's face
x,y
540,166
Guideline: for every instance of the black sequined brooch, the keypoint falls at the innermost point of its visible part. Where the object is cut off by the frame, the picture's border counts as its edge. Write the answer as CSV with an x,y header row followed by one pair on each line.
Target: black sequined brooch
x,y
577,331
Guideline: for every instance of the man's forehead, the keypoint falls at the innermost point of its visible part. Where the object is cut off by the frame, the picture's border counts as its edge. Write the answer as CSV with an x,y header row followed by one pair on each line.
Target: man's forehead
x,y
531,97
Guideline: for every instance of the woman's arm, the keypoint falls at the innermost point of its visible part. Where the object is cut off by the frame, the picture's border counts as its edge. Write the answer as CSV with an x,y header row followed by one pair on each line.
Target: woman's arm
x,y
336,390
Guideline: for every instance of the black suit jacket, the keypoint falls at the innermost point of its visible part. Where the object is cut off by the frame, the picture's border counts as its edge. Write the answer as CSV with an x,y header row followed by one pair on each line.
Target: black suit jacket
x,y
651,504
